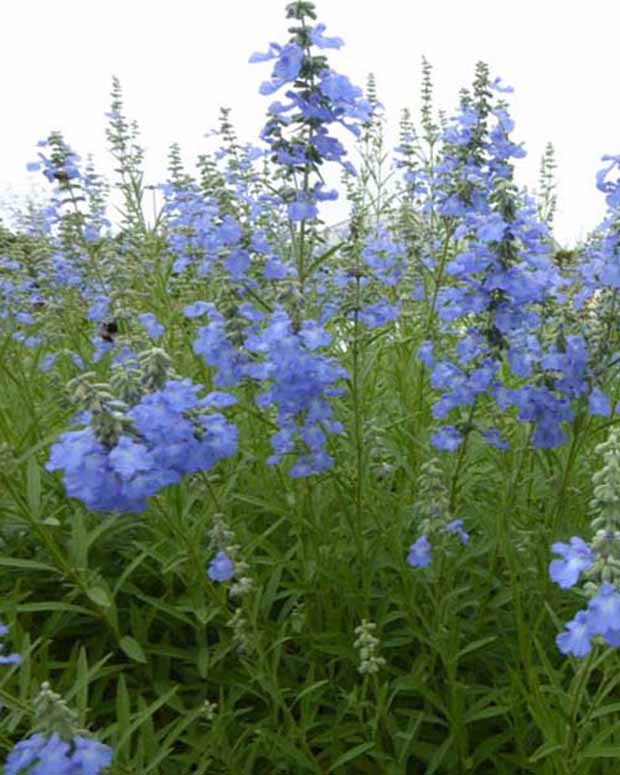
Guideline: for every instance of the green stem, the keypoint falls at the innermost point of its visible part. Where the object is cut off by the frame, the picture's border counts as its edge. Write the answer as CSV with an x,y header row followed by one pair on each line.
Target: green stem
x,y
461,459
578,436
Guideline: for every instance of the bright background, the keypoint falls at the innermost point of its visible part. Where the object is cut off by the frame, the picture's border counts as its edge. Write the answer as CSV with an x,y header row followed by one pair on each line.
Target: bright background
x,y
180,61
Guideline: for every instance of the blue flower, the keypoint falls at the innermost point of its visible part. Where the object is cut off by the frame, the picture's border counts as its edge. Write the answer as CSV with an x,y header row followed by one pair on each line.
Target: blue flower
x,y
447,438
167,445
577,557
53,759
91,755
318,39
420,553
285,70
425,354
151,326
302,210
379,313
314,335
197,309
8,659
24,754
237,263
456,526
494,438
221,568
599,403
577,638
128,458
301,379
53,756
347,100
498,86
604,610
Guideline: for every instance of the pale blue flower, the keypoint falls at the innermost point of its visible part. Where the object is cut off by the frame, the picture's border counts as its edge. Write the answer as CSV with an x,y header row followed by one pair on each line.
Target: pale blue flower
x,y
420,553
221,568
576,557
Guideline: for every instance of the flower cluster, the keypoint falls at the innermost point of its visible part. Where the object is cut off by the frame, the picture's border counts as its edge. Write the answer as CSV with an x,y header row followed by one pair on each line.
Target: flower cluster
x,y
598,562
367,644
227,563
433,509
58,747
42,755
298,131
301,380
502,283
169,433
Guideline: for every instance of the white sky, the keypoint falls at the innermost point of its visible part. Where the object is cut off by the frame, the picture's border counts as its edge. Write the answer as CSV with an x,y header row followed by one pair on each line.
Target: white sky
x,y
180,61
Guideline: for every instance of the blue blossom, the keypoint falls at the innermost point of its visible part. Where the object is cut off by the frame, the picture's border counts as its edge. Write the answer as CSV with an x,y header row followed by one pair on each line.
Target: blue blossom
x,y
90,755
237,263
379,313
7,659
604,610
420,553
41,755
494,439
318,39
286,69
384,257
151,326
314,335
576,557
346,98
301,379
456,526
447,438
576,640
599,403
167,445
24,754
425,354
302,209
129,458
297,130
197,309
222,568
498,86
611,189
47,362
213,345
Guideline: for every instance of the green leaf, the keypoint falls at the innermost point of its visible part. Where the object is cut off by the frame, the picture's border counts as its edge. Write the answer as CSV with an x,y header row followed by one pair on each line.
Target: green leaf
x,y
613,707
33,492
203,661
602,752
133,649
545,750
309,689
495,710
82,680
288,748
16,562
99,596
439,755
352,754
476,645
140,718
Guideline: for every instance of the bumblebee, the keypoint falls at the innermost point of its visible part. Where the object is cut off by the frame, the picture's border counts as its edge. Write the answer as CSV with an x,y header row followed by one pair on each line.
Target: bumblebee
x,y
107,331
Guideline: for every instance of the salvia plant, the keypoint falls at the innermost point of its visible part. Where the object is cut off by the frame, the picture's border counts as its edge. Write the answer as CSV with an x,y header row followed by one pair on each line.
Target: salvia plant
x,y
278,496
